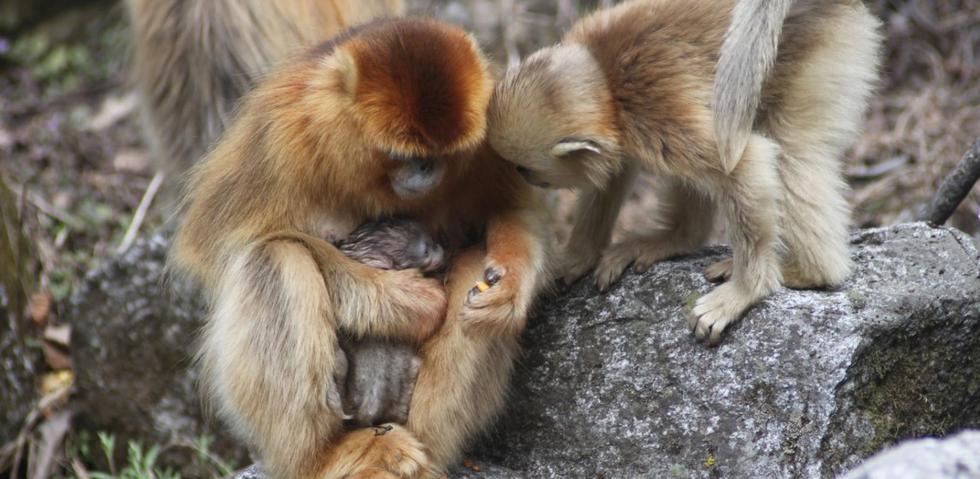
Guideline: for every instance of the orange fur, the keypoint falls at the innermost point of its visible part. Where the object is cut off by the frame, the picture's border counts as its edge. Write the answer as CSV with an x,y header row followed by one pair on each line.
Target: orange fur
x,y
308,157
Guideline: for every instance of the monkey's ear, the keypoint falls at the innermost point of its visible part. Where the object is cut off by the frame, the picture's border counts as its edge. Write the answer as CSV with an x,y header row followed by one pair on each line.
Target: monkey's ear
x,y
570,147
343,63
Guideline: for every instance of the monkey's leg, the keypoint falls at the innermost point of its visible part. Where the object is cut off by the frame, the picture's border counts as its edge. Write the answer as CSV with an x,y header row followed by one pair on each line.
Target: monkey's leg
x,y
686,220
268,356
818,120
463,378
596,214
515,268
749,196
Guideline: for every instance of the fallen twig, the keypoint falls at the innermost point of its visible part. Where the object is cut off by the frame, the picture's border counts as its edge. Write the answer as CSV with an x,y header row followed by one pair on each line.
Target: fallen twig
x,y
954,188
134,225
47,208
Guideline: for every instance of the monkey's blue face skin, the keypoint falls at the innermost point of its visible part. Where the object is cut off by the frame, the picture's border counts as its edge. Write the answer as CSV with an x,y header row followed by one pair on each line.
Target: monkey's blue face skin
x,y
415,177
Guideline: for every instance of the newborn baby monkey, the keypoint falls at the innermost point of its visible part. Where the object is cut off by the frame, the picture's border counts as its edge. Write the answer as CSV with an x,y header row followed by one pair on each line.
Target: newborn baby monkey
x,y
381,375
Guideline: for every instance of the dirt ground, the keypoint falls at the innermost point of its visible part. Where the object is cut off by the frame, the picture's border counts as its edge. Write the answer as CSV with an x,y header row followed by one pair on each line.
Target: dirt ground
x,y
72,152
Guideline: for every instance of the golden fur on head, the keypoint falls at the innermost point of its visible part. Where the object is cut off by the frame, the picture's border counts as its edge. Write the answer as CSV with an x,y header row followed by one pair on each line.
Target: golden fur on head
x,y
421,84
555,107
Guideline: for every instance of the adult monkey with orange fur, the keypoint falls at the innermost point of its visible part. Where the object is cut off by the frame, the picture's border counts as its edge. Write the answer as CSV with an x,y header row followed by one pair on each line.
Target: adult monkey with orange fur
x,y
194,59
311,155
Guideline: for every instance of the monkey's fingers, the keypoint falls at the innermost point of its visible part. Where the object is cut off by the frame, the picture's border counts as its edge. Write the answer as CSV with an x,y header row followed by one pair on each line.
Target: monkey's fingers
x,y
491,276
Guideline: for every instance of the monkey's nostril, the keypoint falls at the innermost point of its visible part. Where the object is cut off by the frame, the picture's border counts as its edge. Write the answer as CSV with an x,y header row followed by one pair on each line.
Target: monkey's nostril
x,y
523,171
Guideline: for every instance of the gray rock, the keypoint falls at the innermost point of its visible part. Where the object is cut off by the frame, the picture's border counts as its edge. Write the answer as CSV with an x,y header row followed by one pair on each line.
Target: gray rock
x,y
955,457
133,335
613,385
806,385
18,369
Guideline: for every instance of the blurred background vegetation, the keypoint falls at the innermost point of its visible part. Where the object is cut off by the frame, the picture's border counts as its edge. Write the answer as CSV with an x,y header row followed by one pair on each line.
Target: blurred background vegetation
x,y
74,167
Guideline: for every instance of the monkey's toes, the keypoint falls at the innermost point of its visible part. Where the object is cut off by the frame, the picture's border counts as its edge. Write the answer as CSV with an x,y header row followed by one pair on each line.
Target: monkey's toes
x,y
719,271
493,274
714,311
611,268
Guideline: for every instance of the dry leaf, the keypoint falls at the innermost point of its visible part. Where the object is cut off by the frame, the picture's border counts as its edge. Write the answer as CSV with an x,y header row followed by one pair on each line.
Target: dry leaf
x,y
6,139
136,161
113,109
53,432
55,357
471,465
56,381
39,307
59,335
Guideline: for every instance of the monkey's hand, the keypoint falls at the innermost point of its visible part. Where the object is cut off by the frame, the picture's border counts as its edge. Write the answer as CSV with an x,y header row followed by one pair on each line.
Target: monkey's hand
x,y
499,303
514,268
424,298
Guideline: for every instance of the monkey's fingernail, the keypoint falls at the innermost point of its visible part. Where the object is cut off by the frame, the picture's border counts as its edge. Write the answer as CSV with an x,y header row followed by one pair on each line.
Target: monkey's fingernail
x,y
482,286
492,275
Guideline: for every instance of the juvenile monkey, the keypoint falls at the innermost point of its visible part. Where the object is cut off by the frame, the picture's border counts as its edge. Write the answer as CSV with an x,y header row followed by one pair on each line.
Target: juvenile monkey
x,y
380,382
317,148
631,87
193,59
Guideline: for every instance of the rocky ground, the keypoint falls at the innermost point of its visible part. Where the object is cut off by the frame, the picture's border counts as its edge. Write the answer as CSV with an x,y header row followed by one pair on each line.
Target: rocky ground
x,y
74,171
613,385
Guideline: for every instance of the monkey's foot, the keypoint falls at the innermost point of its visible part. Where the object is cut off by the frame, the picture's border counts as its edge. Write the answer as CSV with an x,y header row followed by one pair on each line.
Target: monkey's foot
x,y
714,311
381,451
616,258
574,264
499,308
720,271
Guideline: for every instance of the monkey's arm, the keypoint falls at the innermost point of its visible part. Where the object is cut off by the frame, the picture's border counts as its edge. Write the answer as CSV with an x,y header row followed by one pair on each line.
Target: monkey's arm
x,y
596,213
515,269
370,302
747,55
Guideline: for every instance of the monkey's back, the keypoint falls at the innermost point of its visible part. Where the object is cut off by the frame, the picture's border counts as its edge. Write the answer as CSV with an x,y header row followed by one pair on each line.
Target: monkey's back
x,y
659,57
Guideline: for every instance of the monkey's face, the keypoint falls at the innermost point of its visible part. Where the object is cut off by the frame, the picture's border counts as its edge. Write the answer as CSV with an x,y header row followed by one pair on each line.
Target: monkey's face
x,y
551,118
416,90
414,177
425,254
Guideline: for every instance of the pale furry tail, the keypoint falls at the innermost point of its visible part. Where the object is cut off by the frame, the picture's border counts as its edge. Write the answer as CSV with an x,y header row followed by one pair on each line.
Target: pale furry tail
x,y
747,56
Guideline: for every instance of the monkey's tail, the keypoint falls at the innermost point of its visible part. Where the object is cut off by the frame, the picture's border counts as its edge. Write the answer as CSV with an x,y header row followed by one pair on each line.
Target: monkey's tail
x,y
747,56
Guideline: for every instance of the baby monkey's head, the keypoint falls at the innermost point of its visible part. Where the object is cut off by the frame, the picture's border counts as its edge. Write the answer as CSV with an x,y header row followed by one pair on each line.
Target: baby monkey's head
x,y
394,243
553,118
